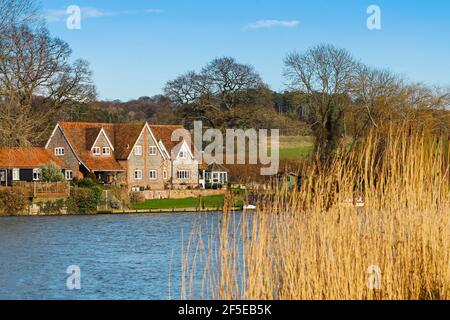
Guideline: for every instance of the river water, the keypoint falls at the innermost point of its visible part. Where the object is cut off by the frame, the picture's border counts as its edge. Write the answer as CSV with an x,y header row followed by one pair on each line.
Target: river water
x,y
119,256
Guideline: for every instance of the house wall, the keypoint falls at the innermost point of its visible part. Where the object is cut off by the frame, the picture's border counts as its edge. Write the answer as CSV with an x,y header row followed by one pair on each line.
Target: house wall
x,y
185,164
25,174
102,142
145,163
70,160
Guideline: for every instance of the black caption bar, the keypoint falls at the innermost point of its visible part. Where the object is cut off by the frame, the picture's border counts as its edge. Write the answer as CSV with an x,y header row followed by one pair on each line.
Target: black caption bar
x,y
223,309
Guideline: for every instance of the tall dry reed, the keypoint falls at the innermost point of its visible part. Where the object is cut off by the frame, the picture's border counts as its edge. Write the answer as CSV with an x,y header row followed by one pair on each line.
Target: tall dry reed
x,y
374,225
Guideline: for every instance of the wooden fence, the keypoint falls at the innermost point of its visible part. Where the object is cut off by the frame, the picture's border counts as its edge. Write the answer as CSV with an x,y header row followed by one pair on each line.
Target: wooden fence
x,y
45,189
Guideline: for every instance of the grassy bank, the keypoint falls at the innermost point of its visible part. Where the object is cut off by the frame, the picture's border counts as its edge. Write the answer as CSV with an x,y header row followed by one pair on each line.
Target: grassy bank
x,y
213,202
295,147
315,243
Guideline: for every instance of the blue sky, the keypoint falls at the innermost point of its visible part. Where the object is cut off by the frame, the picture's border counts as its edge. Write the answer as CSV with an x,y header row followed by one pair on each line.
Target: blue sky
x,y
135,47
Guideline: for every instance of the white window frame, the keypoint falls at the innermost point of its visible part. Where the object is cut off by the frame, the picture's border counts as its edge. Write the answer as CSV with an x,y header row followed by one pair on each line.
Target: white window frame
x,y
152,150
37,174
138,150
223,177
183,154
59,151
106,149
96,151
155,177
68,174
16,174
183,174
137,175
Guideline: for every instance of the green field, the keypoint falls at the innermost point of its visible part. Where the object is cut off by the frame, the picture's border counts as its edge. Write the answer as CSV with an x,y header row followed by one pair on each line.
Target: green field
x,y
212,202
296,147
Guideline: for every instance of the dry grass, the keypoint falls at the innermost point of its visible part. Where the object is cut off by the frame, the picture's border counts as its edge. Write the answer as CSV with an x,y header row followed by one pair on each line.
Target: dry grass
x,y
314,243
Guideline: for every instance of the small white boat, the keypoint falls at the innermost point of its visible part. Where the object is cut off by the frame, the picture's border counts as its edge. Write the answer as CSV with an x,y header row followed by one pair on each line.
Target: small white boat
x,y
249,207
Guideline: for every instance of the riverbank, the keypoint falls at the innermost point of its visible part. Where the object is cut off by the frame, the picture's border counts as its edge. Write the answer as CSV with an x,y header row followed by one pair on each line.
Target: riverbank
x,y
173,210
58,207
204,202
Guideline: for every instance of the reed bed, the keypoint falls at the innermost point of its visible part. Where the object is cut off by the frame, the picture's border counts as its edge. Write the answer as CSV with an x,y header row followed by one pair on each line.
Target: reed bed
x,y
374,225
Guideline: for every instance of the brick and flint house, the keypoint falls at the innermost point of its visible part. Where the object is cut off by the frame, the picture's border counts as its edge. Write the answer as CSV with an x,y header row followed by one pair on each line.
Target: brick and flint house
x,y
138,156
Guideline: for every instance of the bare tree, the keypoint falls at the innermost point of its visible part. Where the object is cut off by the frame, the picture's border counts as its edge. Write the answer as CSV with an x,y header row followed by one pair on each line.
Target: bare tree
x,y
37,80
15,12
225,78
215,93
380,96
324,73
373,92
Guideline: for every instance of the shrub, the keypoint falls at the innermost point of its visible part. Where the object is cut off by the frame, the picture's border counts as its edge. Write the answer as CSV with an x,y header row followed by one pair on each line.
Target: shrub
x,y
121,195
114,203
84,200
137,197
51,173
87,183
13,201
52,207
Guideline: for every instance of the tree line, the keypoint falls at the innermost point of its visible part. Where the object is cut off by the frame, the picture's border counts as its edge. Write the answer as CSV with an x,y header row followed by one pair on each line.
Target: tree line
x,y
331,95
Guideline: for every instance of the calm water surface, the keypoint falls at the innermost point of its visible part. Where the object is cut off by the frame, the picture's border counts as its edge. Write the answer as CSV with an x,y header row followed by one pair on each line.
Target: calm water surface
x,y
120,257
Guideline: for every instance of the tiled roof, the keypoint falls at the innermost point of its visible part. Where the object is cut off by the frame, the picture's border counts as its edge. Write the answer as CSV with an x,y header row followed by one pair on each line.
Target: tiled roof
x,y
164,133
27,158
82,135
215,167
91,135
123,136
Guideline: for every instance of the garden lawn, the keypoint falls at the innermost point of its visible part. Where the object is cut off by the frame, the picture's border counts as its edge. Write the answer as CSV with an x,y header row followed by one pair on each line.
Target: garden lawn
x,y
212,202
296,147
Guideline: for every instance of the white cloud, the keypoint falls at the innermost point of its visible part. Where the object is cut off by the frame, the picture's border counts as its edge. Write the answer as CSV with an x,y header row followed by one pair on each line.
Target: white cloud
x,y
53,15
90,12
267,24
154,11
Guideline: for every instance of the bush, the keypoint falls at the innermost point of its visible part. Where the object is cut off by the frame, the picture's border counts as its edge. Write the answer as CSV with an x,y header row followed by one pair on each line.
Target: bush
x,y
121,195
51,173
114,203
52,207
87,183
13,201
137,197
84,200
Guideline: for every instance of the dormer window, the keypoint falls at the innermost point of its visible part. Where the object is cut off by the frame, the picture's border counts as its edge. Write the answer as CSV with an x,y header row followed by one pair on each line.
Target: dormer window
x,y
138,150
96,151
106,151
182,155
152,150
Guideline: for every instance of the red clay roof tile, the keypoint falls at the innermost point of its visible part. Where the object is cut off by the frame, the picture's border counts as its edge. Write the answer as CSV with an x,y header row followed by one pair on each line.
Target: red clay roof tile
x,y
27,157
123,136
